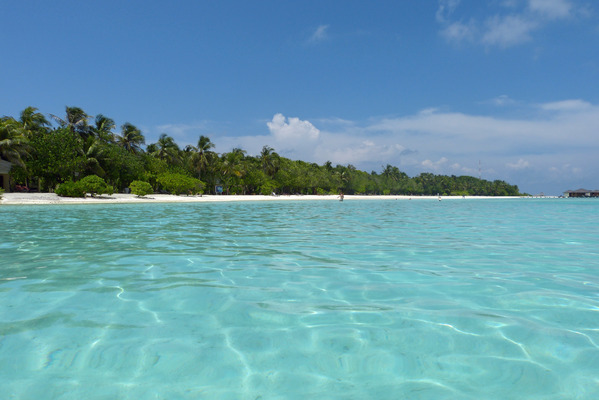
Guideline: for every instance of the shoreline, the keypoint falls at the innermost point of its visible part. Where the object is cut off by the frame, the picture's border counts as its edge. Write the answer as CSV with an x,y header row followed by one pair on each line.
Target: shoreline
x,y
20,198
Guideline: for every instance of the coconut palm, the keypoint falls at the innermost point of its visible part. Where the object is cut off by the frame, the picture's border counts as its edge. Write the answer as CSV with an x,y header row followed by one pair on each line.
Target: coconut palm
x,y
95,158
391,173
232,167
32,121
131,138
270,161
166,149
76,120
103,128
13,143
203,155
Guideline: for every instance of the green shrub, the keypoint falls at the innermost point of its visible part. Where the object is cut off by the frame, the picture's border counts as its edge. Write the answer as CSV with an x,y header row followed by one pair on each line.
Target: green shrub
x,y
1,192
179,183
70,189
93,185
267,189
141,188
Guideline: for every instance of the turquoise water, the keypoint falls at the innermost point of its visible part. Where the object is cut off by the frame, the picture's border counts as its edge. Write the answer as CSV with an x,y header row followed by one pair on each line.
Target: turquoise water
x,y
460,299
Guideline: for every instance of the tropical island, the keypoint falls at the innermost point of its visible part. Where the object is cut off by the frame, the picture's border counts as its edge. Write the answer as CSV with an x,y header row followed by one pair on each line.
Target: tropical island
x,y
77,154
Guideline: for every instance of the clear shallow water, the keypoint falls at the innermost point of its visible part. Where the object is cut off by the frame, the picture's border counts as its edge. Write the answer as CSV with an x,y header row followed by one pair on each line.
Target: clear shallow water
x,y
461,299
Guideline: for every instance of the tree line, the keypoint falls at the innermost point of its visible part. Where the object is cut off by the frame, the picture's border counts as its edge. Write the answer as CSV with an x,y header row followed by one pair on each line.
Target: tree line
x,y
48,152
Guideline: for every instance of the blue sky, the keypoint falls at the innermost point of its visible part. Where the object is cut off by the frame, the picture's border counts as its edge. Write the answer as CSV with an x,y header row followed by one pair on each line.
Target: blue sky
x,y
507,89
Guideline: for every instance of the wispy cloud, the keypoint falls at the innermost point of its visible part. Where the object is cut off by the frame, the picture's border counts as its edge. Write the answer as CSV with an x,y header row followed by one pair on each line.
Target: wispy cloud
x,y
520,164
320,34
446,8
460,32
575,105
551,8
505,31
502,101
515,23
435,165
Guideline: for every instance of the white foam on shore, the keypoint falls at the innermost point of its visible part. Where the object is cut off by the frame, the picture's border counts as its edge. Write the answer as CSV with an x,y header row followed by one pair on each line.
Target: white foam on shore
x,y
52,198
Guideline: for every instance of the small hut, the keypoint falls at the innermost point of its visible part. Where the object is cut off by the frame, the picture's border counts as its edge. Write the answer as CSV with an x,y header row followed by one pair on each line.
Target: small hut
x,y
581,193
5,167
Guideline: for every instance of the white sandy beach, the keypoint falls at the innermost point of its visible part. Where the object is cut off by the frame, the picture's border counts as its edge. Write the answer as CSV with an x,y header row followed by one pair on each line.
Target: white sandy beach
x,y
52,198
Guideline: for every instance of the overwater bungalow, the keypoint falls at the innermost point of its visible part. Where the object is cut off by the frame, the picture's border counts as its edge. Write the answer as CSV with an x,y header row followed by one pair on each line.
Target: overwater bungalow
x,y
581,193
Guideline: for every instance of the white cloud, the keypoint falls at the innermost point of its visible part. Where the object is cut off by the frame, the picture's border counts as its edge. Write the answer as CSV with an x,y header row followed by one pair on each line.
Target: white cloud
x,y
292,129
507,31
551,8
458,32
503,100
521,164
320,34
567,105
503,29
358,150
434,165
551,147
446,8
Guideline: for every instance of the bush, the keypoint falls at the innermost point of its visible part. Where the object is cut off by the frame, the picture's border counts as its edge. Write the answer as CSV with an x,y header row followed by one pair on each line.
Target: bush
x,y
179,183
70,189
141,188
93,184
1,192
267,189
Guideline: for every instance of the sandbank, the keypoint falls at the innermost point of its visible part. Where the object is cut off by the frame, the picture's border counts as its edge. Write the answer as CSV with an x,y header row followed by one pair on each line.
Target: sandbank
x,y
120,198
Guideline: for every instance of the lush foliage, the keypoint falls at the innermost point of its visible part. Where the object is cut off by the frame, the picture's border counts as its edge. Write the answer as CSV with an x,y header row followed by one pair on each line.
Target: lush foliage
x,y
180,184
1,192
46,157
70,189
140,188
91,184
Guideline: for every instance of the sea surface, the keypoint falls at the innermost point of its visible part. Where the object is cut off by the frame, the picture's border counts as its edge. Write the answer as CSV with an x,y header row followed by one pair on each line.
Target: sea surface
x,y
368,299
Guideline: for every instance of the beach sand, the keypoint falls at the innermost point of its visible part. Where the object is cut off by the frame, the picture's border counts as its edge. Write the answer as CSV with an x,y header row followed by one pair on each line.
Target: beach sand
x,y
52,198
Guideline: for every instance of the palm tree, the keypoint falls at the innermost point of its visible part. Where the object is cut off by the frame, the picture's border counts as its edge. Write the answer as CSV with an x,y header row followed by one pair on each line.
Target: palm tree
x,y
33,121
232,167
270,161
103,128
392,173
131,138
76,120
95,157
166,149
204,153
13,143
201,154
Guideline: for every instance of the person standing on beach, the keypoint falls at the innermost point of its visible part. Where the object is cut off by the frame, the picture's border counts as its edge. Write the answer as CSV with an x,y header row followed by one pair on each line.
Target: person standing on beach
x,y
340,196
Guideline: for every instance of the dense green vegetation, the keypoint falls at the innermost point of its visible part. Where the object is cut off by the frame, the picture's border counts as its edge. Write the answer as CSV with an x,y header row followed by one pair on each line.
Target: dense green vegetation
x,y
140,188
49,156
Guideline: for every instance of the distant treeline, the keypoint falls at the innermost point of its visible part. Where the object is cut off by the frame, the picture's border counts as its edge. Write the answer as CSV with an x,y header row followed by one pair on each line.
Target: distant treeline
x,y
44,155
